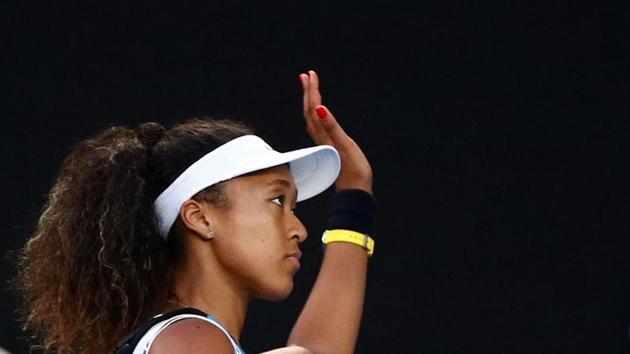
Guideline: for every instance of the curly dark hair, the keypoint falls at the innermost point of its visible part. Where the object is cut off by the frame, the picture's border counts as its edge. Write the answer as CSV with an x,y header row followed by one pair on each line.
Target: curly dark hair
x,y
96,268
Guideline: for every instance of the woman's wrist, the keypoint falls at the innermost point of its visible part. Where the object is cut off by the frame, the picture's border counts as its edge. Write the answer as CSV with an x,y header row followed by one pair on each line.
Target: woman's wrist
x,y
353,209
341,185
362,181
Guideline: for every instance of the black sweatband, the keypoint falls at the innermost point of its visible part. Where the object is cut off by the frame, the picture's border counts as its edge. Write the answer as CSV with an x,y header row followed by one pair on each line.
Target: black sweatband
x,y
353,209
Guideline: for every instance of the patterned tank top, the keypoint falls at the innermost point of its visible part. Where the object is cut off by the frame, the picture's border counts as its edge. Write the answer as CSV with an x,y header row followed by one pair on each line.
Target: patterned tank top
x,y
144,345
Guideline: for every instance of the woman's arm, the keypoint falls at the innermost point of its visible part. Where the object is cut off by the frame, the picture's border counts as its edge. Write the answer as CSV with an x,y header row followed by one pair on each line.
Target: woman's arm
x,y
330,320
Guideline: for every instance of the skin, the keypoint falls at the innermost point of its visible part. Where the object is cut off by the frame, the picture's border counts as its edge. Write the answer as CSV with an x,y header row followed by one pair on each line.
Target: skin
x,y
248,257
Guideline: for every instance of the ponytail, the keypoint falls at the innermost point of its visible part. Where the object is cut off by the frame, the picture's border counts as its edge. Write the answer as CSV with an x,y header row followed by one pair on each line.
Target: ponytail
x,y
95,266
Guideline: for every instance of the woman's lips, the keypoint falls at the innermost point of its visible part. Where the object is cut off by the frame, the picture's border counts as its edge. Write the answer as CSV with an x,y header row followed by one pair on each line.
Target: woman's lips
x,y
295,257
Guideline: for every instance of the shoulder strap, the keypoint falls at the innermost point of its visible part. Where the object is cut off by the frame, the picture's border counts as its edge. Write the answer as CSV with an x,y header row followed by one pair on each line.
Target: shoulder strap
x,y
127,344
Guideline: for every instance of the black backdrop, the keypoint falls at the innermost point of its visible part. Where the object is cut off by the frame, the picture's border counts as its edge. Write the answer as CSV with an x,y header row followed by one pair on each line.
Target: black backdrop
x,y
497,132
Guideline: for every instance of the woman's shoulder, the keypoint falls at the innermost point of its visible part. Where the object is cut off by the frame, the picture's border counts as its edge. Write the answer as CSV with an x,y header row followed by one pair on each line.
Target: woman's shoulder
x,y
191,335
293,349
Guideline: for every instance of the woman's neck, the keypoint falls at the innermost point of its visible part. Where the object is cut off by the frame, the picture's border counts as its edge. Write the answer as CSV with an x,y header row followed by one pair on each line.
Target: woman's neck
x,y
194,285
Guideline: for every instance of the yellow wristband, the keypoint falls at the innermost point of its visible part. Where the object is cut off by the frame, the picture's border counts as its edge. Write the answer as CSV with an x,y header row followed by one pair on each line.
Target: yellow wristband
x,y
357,238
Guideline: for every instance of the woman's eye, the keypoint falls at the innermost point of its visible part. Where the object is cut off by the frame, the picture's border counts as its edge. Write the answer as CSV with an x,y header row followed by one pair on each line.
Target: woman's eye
x,y
278,200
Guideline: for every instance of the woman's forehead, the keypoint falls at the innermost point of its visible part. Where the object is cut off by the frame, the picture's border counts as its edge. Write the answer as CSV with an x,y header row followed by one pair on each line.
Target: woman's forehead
x,y
274,176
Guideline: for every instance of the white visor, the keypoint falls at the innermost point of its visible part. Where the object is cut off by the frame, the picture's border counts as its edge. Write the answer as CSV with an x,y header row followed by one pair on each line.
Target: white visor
x,y
314,169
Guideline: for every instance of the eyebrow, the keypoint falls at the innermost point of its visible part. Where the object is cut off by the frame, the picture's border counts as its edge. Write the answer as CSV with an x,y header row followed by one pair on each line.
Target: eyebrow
x,y
282,182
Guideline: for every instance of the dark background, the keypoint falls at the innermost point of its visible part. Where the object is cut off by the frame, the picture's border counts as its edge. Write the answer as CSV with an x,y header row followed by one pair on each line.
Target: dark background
x,y
498,134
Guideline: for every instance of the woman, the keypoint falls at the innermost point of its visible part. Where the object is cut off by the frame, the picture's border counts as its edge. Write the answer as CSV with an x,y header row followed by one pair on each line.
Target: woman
x,y
199,216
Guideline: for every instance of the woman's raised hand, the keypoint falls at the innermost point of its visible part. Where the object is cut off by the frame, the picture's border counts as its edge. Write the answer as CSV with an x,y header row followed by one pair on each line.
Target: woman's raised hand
x,y
323,128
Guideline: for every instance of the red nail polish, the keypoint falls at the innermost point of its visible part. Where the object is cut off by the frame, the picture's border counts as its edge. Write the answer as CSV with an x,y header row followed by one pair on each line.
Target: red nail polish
x,y
321,112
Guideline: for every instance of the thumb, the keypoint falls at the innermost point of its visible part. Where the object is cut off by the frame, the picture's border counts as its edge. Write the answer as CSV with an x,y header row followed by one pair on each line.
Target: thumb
x,y
331,126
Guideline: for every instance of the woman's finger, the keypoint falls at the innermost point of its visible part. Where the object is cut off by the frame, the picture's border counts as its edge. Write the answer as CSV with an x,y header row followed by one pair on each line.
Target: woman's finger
x,y
313,127
333,130
315,98
304,82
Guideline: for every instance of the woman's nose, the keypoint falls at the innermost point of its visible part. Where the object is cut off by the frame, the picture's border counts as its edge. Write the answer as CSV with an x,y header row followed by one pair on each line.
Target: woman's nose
x,y
297,229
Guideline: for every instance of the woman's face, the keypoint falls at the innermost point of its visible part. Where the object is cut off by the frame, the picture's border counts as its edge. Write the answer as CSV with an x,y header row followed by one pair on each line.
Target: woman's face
x,y
258,231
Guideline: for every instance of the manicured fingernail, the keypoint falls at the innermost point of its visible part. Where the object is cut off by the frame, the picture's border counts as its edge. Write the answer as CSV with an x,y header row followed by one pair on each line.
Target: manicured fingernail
x,y
300,78
321,112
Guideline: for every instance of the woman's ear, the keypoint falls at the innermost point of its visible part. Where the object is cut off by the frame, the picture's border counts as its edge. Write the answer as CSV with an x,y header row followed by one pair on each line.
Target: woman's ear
x,y
197,218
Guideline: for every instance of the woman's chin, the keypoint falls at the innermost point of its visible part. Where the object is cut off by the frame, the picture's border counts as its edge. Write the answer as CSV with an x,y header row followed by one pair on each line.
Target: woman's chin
x,y
278,294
